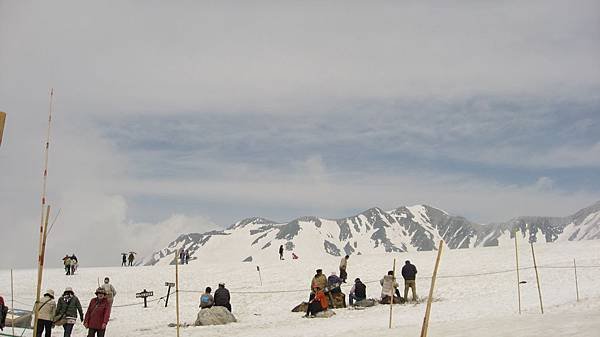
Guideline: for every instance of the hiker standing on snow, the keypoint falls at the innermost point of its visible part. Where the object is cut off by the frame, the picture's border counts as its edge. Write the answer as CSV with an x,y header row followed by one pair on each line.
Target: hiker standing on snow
x,y
97,314
67,263
124,260
409,273
388,287
66,311
222,297
187,256
131,258
343,265
109,291
281,252
206,299
74,264
318,281
46,308
358,291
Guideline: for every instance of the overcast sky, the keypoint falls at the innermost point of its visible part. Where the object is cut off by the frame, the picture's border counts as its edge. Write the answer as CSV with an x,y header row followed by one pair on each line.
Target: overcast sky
x,y
176,117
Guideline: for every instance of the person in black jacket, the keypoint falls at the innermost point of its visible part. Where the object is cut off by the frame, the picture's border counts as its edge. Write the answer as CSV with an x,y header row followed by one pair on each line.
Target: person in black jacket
x,y
409,273
222,298
358,291
281,252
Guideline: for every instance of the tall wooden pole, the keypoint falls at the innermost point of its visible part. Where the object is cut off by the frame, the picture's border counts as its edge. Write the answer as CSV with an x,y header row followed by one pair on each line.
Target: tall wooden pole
x,y
576,285
177,288
518,277
392,292
537,278
41,269
42,230
12,302
2,119
425,326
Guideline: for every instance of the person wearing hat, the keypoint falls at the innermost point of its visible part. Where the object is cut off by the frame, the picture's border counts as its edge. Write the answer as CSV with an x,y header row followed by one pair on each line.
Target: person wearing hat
x,y
109,290
358,291
222,297
45,308
97,315
66,311
319,280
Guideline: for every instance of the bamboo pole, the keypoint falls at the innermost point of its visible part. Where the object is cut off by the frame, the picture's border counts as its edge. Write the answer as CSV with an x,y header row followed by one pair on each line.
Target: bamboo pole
x,y
518,277
425,326
537,278
177,288
12,302
44,187
41,258
392,292
576,284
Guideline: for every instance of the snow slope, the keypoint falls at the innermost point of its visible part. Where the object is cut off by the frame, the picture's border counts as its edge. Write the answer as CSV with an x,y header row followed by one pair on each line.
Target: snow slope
x,y
475,305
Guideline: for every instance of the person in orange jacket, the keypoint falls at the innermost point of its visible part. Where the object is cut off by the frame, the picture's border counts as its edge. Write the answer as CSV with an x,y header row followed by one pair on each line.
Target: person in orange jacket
x,y
318,303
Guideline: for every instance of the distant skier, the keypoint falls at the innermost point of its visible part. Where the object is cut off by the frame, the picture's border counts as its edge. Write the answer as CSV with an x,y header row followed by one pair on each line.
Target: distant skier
x,y
124,260
97,315
206,299
131,258
358,291
343,265
222,297
281,252
109,291
409,273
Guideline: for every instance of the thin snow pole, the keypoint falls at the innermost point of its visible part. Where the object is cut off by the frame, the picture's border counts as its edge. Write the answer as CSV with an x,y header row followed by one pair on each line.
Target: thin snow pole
x,y
576,284
518,277
2,119
12,302
429,300
177,288
40,269
537,278
42,230
259,277
392,293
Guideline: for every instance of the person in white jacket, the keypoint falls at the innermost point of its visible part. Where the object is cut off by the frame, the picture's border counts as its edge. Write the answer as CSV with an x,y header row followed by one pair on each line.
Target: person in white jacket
x,y
110,291
46,308
388,287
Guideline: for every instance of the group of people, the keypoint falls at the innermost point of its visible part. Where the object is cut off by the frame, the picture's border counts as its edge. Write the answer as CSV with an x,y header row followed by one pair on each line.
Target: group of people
x,y
184,256
125,258
323,289
71,263
294,256
221,298
68,308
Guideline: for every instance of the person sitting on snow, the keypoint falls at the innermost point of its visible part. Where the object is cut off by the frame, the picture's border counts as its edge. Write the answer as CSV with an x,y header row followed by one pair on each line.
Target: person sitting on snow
x,y
333,283
222,297
318,302
358,291
318,281
389,287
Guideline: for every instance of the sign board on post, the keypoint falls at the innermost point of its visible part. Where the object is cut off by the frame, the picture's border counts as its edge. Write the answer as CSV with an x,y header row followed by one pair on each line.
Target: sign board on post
x,y
144,294
170,285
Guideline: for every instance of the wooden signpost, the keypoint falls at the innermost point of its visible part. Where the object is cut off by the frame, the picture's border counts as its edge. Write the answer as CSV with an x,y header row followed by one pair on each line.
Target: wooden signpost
x,y
170,285
145,294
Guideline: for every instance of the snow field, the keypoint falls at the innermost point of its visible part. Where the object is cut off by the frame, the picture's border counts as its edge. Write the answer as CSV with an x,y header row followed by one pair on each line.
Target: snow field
x,y
482,305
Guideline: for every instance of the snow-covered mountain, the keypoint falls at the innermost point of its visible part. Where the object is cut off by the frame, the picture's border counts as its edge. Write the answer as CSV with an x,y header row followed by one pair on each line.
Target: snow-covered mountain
x,y
404,229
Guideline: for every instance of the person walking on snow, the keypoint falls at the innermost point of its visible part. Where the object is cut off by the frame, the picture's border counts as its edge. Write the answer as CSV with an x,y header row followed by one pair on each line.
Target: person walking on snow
x,y
281,252
97,315
206,299
343,265
124,260
67,309
45,308
67,264
187,256
131,258
109,291
222,297
74,264
409,273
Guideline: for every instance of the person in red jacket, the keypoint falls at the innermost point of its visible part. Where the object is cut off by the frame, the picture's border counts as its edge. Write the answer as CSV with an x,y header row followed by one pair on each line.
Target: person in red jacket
x,y
318,302
97,315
